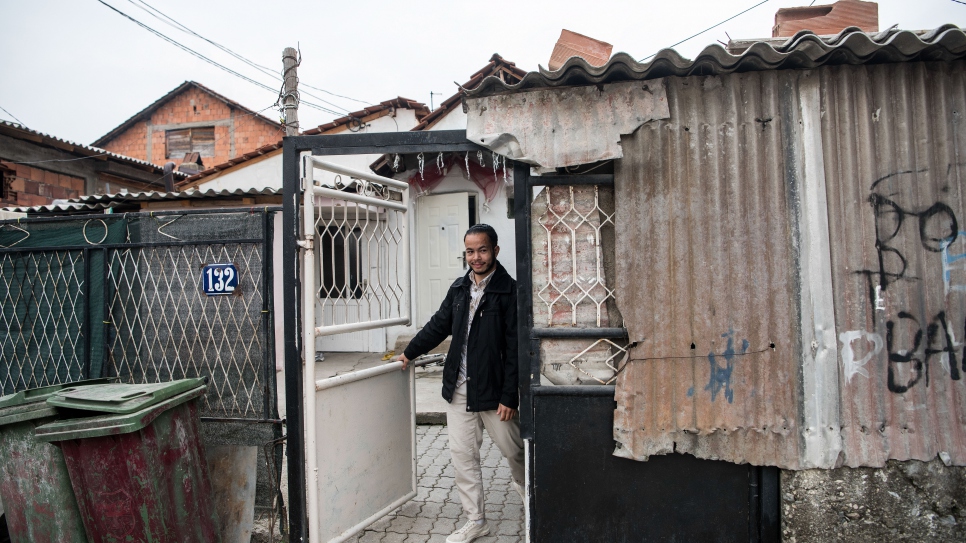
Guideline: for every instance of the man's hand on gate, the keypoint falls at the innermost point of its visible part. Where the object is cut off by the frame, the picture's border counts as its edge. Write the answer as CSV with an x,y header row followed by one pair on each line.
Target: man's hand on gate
x,y
505,412
402,358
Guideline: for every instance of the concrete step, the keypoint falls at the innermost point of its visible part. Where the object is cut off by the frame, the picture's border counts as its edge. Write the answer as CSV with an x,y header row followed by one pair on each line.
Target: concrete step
x,y
403,341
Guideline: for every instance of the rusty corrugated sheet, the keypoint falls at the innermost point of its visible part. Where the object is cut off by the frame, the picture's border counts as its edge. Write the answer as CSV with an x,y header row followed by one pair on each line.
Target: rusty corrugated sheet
x,y
706,276
820,211
894,142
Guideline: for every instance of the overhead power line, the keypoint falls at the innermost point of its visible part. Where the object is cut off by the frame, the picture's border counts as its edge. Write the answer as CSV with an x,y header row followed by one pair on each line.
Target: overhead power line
x,y
706,29
208,60
12,115
161,16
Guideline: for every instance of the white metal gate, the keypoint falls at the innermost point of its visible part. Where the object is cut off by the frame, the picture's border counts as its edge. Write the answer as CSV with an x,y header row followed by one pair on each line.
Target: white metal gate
x,y
363,464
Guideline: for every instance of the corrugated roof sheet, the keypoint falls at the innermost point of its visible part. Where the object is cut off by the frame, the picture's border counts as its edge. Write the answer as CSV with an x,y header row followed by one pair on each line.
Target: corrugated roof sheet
x,y
98,202
22,132
802,51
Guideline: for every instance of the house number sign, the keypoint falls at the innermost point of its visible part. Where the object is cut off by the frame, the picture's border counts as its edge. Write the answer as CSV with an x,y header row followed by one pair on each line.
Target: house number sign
x,y
219,279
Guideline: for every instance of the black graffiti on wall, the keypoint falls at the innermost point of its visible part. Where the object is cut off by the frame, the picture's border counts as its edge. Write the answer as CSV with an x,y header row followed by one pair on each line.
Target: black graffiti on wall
x,y
936,227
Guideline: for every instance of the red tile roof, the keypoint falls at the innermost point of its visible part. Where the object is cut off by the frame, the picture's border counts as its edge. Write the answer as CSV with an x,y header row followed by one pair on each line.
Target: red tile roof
x,y
361,116
148,111
497,66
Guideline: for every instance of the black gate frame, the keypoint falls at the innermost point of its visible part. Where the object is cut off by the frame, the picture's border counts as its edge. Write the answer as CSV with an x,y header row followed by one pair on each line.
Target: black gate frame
x,y
762,483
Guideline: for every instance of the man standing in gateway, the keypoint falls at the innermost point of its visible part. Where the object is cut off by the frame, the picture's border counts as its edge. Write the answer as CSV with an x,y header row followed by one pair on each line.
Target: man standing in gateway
x,y
480,380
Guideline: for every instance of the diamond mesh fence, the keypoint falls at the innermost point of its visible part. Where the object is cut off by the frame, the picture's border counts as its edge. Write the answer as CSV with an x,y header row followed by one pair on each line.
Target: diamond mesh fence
x,y
43,306
124,299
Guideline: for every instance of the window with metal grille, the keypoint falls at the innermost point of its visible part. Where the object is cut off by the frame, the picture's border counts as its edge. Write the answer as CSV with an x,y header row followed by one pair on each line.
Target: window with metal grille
x,y
341,262
190,140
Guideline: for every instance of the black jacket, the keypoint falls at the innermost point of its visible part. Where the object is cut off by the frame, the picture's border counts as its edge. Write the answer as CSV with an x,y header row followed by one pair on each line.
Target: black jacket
x,y
491,354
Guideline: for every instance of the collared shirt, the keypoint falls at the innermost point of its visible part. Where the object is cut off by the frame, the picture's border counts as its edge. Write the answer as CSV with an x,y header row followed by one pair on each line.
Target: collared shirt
x,y
476,294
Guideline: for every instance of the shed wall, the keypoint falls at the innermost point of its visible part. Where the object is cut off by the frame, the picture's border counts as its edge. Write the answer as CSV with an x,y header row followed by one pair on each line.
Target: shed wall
x,y
802,230
894,142
706,275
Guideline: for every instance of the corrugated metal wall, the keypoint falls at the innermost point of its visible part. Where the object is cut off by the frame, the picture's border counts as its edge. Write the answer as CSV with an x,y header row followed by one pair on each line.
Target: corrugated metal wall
x,y
894,141
706,277
790,260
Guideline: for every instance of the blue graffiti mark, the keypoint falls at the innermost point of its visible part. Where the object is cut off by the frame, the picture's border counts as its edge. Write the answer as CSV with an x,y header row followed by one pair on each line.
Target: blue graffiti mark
x,y
948,259
721,376
690,392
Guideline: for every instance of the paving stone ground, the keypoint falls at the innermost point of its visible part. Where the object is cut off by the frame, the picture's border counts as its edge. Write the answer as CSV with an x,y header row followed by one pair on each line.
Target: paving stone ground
x,y
436,512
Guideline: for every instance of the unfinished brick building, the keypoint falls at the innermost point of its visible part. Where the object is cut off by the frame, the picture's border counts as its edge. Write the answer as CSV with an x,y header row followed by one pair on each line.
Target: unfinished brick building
x,y
191,119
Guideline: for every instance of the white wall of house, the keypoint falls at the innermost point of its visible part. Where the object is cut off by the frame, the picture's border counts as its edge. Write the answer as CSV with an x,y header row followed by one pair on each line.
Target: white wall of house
x,y
267,172
493,213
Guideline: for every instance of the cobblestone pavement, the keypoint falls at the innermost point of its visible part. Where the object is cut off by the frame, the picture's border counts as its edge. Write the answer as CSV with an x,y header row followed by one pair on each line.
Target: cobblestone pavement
x,y
436,512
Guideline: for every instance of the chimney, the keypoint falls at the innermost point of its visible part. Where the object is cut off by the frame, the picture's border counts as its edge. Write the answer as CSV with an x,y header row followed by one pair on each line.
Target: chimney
x,y
572,44
827,19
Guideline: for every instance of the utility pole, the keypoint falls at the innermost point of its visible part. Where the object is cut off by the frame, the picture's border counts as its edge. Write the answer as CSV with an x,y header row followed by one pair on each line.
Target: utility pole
x,y
290,100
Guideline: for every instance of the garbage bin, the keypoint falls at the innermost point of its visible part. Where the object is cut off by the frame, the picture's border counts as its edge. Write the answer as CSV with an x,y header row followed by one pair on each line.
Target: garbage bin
x,y
34,484
138,469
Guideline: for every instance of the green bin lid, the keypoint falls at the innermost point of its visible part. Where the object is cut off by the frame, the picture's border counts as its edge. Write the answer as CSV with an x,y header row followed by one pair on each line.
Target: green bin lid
x,y
32,403
121,398
115,423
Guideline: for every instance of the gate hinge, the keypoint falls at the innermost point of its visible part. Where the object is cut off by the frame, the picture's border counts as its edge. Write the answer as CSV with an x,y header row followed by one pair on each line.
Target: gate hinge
x,y
305,243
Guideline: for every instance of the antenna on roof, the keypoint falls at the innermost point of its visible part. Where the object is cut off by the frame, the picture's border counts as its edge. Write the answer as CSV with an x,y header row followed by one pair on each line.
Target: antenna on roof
x,y
431,93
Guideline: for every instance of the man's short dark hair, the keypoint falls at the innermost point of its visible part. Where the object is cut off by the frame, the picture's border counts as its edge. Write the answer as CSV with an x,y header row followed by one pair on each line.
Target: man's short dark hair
x,y
483,229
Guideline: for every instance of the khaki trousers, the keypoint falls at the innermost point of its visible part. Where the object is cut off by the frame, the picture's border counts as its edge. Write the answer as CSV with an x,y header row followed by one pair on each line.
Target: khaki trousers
x,y
465,430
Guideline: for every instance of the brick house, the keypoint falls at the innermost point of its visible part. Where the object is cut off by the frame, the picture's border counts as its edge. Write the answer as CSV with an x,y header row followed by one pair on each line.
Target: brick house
x,y
191,119
37,168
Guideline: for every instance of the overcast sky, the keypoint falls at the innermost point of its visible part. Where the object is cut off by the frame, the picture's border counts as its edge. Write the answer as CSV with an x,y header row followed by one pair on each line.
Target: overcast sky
x,y
76,69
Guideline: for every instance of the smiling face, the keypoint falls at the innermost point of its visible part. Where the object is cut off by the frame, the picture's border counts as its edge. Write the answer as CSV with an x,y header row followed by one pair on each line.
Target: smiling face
x,y
480,253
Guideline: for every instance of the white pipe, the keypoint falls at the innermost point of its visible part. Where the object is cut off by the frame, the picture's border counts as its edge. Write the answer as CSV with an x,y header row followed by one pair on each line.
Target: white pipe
x,y
346,378
358,174
308,354
357,326
407,278
358,198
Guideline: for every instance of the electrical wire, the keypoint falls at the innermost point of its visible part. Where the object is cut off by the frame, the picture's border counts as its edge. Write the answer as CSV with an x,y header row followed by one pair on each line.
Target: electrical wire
x,y
12,115
206,59
156,13
705,30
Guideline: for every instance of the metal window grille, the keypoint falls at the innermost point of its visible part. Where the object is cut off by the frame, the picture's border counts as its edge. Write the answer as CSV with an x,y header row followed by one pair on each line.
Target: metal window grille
x,y
573,276
362,265
572,223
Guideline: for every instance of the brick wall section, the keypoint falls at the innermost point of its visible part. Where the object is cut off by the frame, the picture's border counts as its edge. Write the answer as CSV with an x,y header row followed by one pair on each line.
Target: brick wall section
x,y
194,106
30,186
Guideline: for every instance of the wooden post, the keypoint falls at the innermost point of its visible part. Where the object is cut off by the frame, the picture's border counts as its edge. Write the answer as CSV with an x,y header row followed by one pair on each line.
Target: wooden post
x,y
290,102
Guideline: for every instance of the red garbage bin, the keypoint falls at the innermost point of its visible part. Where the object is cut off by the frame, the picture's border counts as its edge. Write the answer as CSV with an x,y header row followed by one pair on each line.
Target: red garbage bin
x,y
34,484
138,469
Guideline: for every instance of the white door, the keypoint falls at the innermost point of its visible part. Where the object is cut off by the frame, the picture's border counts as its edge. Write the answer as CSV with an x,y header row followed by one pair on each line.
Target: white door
x,y
441,221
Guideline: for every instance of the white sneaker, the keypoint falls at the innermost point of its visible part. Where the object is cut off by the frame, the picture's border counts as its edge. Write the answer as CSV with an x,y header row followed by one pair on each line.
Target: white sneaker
x,y
519,490
470,531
